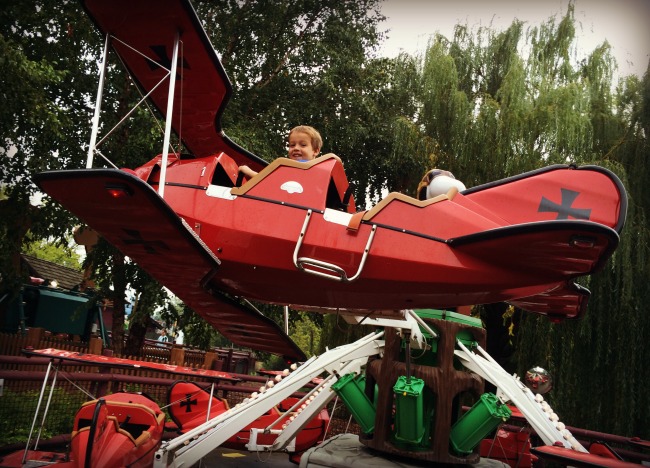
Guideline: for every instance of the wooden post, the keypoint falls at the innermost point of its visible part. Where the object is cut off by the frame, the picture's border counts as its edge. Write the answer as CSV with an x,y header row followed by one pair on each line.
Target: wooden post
x,y
95,345
228,363
177,357
208,359
250,366
34,337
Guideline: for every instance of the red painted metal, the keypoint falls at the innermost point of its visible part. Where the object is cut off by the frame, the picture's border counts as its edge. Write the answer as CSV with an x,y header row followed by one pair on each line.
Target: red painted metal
x,y
509,447
128,432
121,429
439,254
143,35
188,405
132,364
568,457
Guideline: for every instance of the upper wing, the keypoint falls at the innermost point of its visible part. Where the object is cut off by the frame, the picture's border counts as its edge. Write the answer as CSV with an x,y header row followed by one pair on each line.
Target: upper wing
x,y
110,361
143,35
141,225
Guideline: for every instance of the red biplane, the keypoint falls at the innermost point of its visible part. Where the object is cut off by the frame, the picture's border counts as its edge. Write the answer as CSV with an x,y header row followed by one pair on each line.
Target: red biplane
x,y
292,235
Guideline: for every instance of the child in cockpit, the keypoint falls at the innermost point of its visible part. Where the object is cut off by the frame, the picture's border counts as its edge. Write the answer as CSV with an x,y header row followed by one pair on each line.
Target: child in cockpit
x,y
436,182
304,143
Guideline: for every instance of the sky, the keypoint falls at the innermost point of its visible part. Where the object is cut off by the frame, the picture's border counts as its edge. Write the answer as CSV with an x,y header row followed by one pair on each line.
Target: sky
x,y
625,24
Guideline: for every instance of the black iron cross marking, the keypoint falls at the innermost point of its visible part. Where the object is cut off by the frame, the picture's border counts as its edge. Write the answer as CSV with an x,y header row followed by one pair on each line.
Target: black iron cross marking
x,y
151,247
164,60
188,403
564,209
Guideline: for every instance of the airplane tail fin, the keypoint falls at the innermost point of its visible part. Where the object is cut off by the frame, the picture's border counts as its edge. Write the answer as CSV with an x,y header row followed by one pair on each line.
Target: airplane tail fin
x,y
588,193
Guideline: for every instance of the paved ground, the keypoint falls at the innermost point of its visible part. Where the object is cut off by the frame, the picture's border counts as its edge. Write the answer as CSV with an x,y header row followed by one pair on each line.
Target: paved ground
x,y
235,458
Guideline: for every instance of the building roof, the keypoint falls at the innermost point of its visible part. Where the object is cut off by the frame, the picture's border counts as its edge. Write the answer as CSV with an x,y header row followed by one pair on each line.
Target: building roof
x,y
67,278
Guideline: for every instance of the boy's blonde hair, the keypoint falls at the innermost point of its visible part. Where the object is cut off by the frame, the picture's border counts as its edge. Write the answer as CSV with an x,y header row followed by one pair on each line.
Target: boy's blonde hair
x,y
316,139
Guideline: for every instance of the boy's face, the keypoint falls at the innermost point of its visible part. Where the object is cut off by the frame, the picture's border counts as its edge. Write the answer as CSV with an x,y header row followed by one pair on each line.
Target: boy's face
x,y
300,147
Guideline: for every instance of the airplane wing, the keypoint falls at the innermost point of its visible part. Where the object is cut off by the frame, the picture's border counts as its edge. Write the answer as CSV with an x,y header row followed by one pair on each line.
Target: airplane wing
x,y
143,35
555,248
141,225
566,300
110,361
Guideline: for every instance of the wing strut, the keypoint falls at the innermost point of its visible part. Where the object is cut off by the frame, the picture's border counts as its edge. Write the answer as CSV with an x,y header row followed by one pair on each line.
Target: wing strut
x,y
171,74
98,104
168,117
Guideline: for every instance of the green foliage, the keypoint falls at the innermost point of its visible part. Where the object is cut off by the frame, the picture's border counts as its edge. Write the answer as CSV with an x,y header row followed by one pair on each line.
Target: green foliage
x,y
307,63
336,332
43,88
55,253
489,105
306,334
198,332
17,413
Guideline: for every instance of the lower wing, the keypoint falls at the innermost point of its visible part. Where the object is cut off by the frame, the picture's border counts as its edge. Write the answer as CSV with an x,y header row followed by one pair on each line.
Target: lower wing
x,y
141,225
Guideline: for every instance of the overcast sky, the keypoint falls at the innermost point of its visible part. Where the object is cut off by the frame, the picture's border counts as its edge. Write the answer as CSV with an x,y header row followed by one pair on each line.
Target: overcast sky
x,y
624,23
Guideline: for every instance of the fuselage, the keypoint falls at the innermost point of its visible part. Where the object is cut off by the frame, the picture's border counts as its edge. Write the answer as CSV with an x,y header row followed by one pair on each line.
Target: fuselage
x,y
288,236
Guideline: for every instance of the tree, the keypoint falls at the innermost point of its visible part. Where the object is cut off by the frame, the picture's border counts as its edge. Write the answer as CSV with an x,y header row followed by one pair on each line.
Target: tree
x,y
486,111
294,58
42,87
54,253
51,55
308,63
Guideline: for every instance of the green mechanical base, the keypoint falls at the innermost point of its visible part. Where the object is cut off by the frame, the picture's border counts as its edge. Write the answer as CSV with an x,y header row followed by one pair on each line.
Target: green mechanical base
x,y
415,420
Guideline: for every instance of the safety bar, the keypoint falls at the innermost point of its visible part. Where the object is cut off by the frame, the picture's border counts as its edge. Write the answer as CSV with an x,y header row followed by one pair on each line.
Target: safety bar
x,y
335,272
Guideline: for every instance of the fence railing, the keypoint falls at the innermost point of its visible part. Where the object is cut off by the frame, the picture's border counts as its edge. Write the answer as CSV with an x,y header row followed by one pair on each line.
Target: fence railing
x,y
224,359
11,344
23,377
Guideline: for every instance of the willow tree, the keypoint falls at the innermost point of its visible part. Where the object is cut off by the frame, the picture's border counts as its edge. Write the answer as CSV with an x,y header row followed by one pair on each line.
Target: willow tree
x,y
494,104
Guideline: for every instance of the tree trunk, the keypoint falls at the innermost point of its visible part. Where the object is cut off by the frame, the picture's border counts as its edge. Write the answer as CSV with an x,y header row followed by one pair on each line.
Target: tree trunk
x,y
137,330
119,283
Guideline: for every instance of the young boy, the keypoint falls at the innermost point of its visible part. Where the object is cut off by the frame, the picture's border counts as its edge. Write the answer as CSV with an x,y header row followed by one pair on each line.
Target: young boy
x,y
304,145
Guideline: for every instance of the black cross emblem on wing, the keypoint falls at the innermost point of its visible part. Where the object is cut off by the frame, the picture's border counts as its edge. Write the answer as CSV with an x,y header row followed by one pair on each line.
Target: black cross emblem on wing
x,y
564,210
164,60
188,403
151,247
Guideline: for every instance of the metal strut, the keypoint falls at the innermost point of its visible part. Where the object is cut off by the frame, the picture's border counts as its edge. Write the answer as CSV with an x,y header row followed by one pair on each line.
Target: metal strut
x,y
332,271
98,105
170,111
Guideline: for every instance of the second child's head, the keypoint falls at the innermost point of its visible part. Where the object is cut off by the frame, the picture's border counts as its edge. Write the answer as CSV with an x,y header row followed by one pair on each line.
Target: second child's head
x,y
304,143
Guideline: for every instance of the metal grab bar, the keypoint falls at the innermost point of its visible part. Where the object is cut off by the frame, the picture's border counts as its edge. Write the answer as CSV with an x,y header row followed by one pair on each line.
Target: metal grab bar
x,y
333,272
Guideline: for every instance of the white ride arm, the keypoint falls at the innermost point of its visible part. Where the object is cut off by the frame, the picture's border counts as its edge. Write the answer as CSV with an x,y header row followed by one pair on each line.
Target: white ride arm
x,y
322,395
189,448
538,413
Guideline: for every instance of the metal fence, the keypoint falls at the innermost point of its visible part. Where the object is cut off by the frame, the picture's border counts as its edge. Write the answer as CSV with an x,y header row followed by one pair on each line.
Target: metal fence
x,y
22,380
20,397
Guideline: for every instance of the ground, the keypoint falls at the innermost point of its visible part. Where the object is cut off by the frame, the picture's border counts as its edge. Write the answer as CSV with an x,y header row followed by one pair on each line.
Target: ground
x,y
223,457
